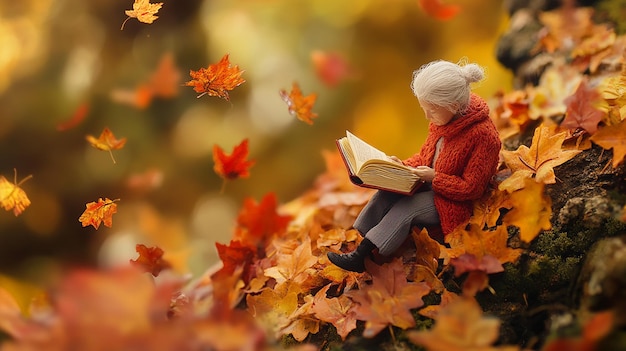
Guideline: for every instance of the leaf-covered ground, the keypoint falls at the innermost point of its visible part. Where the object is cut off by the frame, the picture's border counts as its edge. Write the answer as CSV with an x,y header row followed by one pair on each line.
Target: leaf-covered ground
x,y
505,281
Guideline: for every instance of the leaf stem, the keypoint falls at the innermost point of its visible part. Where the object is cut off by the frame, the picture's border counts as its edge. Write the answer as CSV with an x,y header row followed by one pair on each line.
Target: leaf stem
x,y
123,23
112,158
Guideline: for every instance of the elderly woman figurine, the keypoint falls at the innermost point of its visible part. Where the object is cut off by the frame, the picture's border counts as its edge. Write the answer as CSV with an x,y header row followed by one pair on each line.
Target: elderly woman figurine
x,y
456,163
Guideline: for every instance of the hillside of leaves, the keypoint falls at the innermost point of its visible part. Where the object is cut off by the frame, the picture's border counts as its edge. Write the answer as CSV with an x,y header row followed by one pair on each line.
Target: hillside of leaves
x,y
508,280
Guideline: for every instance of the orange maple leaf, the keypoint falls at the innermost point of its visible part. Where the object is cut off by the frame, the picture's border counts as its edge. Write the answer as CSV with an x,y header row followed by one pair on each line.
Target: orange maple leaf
x,y
336,310
257,222
150,259
162,83
538,161
143,11
299,106
581,111
294,265
234,256
99,212
389,299
106,142
437,10
613,137
460,325
216,79
12,197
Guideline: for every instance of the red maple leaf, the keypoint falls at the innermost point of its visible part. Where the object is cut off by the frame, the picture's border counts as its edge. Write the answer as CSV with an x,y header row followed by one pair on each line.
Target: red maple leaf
x,y
331,68
232,166
581,111
216,79
437,10
150,259
235,255
258,221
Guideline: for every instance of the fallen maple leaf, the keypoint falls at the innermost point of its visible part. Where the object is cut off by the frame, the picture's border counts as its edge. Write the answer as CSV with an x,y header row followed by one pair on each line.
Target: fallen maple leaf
x,y
257,222
531,211
298,105
538,161
581,111
12,197
460,326
389,299
437,10
612,137
106,142
336,310
99,212
294,266
232,166
150,259
144,11
216,79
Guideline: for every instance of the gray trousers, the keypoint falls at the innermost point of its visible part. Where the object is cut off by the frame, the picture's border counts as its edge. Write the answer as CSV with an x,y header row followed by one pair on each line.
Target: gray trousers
x,y
387,219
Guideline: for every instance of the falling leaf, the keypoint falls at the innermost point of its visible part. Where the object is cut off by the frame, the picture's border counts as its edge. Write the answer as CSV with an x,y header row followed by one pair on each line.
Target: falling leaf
x,y
216,79
389,299
143,11
145,181
460,325
531,211
335,310
538,161
438,10
77,118
581,109
299,106
232,166
164,83
12,197
106,142
331,68
99,212
612,137
150,259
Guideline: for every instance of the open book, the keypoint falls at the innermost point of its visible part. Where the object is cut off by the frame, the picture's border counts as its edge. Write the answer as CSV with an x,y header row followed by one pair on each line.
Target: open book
x,y
371,168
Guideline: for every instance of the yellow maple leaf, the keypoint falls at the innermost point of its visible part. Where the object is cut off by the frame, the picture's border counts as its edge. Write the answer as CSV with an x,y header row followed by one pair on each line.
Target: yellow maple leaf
x,y
612,137
12,197
143,11
538,161
531,210
106,142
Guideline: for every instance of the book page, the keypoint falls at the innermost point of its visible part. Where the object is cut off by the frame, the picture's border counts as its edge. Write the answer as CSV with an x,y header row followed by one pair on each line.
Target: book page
x,y
363,151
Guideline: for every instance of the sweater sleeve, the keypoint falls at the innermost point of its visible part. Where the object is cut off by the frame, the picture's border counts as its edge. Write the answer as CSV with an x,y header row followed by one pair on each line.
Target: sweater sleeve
x,y
480,168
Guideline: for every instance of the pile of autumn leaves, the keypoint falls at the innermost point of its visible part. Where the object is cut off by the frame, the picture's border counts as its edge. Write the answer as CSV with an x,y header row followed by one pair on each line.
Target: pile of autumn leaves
x,y
275,279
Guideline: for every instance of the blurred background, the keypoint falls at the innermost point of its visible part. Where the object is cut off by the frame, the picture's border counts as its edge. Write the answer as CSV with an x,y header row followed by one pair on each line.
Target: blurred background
x,y
67,70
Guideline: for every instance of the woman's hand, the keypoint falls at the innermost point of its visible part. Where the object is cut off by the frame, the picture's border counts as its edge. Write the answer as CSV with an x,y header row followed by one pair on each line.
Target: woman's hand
x,y
425,174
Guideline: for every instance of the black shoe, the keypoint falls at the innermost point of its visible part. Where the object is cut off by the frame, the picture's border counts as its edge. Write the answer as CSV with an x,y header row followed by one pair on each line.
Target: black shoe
x,y
352,261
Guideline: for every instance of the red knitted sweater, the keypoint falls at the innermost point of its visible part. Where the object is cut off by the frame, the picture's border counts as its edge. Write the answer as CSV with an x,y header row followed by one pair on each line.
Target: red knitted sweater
x,y
465,164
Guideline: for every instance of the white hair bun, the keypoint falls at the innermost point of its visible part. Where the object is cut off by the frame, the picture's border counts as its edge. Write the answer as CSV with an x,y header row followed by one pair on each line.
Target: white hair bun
x,y
472,72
